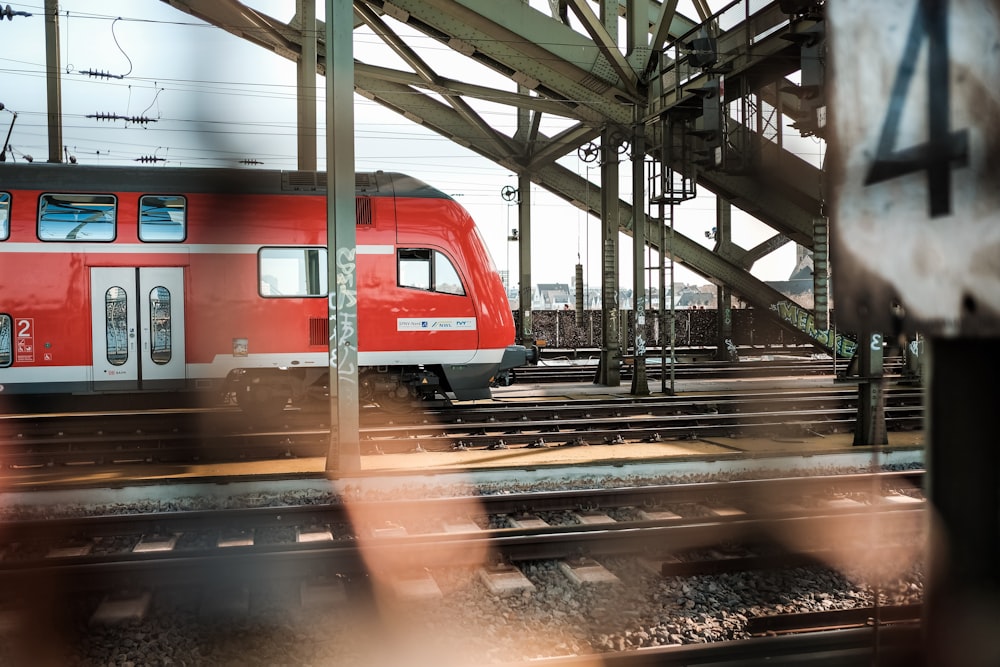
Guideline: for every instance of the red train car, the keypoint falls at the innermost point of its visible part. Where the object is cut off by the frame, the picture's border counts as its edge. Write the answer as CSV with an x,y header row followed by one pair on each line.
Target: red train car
x,y
116,279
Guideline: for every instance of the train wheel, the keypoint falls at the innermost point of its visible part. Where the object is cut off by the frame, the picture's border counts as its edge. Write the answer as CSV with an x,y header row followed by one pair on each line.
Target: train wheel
x,y
396,402
503,379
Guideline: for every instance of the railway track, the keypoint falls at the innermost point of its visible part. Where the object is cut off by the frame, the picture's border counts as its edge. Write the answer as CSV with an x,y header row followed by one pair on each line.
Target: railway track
x,y
35,441
576,369
664,531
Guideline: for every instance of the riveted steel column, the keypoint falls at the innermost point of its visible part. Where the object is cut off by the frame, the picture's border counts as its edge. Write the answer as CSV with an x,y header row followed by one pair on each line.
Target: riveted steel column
x,y
608,371
525,335
640,385
344,454
727,350
725,346
305,98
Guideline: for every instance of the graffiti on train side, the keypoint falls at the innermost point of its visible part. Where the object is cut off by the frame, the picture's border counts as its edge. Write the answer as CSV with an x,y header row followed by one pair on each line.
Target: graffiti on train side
x,y
803,320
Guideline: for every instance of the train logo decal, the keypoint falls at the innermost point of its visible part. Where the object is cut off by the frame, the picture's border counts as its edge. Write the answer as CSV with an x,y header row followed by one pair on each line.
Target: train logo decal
x,y
438,323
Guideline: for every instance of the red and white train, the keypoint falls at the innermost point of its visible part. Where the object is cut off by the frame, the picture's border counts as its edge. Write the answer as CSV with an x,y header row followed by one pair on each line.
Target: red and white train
x,y
117,279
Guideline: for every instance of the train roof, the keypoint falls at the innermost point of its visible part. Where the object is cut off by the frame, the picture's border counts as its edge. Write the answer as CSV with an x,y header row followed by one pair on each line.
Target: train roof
x,y
51,177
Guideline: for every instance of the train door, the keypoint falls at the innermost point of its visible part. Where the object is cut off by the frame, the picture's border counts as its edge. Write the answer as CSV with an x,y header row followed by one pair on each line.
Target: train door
x,y
137,319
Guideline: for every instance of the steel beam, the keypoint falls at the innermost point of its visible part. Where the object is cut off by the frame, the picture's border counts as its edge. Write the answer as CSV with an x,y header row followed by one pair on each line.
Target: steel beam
x,y
640,384
608,367
305,97
607,43
53,83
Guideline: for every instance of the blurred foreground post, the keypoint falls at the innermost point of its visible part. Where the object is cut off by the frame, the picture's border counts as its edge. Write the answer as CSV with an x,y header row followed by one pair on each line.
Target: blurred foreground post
x,y
344,454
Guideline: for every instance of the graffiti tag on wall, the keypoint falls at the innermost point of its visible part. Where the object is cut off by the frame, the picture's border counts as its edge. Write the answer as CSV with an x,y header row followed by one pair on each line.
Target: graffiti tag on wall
x,y
343,350
803,320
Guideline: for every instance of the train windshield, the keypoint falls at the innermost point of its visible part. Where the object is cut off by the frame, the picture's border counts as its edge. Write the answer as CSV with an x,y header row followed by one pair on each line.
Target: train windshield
x,y
76,217
486,249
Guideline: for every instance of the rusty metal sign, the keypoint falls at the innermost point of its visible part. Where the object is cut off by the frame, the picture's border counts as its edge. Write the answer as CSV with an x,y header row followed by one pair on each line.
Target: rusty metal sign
x,y
915,165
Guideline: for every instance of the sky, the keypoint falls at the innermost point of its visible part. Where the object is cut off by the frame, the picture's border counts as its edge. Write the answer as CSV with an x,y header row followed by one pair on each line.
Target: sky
x,y
217,100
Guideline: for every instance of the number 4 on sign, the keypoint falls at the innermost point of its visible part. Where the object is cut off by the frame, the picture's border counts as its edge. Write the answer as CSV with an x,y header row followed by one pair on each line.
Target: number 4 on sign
x,y
944,148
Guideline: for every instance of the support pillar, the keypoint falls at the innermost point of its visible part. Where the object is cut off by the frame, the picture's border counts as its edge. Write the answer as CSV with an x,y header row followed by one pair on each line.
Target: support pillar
x,y
640,384
53,80
526,334
527,131
727,350
344,452
305,93
608,370
870,428
725,346
962,603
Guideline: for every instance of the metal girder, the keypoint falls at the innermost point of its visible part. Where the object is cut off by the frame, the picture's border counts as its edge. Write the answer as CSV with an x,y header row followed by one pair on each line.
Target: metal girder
x,y
661,14
763,249
454,87
425,72
551,149
663,28
701,6
607,44
527,45
236,18
441,118
759,197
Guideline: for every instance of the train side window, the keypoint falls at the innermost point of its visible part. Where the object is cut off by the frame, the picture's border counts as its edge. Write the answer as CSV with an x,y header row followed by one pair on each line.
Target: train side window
x,y
421,268
415,268
76,217
116,325
160,350
292,272
162,218
4,215
6,340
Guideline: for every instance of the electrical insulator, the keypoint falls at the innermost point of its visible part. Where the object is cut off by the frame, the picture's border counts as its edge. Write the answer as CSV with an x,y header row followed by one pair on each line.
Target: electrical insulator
x,y
9,13
101,74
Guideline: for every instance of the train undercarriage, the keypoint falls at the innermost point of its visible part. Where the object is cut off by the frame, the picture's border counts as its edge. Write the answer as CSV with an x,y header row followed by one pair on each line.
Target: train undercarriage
x,y
265,392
